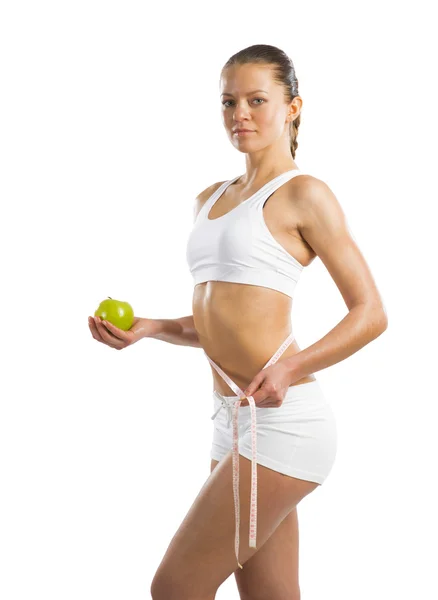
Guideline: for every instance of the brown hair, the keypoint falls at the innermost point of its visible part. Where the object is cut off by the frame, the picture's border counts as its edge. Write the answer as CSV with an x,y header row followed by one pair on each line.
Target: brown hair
x,y
283,73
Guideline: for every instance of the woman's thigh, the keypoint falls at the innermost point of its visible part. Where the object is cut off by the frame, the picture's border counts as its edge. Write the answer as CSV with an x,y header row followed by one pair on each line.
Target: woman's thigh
x,y
272,572
201,555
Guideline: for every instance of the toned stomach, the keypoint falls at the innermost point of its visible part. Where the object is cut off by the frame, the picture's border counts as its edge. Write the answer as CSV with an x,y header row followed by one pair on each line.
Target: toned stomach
x,y
240,327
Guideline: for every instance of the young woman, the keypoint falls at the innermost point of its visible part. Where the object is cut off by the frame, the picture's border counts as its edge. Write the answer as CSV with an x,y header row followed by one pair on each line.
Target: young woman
x,y
274,431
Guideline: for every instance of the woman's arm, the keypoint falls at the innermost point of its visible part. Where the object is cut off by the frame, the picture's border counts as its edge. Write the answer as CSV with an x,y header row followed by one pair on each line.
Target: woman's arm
x,y
359,327
324,227
176,331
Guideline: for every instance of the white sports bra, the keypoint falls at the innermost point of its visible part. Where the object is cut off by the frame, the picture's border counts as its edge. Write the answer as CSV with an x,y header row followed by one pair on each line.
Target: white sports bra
x,y
238,246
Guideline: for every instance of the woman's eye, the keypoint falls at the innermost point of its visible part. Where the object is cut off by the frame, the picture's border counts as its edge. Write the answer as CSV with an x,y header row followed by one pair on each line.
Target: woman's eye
x,y
225,103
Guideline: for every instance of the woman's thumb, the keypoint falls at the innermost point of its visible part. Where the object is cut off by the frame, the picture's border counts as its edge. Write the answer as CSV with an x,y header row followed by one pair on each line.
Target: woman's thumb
x,y
249,391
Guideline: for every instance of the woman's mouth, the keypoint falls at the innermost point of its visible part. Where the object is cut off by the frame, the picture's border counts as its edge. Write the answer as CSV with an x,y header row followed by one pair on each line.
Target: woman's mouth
x,y
244,132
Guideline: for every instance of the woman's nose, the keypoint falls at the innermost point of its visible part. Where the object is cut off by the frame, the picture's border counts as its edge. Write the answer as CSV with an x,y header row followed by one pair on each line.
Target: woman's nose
x,y
240,114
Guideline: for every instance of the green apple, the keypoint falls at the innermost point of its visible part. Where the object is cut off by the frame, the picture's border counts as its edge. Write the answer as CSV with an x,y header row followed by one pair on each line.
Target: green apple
x,y
116,312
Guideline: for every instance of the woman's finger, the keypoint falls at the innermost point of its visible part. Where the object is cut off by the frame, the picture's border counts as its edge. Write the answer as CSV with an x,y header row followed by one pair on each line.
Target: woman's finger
x,y
94,331
108,337
115,331
97,331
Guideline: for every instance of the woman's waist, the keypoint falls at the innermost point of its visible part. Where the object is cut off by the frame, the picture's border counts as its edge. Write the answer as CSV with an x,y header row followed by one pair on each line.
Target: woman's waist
x,y
242,347
243,354
240,331
243,380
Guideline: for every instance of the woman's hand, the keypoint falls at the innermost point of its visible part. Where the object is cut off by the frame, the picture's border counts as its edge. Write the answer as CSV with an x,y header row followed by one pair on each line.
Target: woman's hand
x,y
109,334
269,386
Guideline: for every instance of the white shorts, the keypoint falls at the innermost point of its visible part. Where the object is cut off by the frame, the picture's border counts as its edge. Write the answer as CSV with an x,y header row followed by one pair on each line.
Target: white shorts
x,y
298,439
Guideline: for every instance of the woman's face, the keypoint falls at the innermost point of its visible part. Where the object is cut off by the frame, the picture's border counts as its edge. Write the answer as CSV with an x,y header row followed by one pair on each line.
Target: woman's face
x,y
245,106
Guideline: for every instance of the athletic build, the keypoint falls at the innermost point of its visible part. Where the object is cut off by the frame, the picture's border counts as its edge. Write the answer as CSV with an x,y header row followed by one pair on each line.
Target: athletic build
x,y
239,327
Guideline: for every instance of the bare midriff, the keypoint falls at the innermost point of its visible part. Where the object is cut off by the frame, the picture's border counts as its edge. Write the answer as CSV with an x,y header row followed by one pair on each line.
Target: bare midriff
x,y
240,327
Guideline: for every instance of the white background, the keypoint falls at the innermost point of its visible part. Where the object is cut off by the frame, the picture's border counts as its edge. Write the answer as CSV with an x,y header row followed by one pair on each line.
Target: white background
x,y
110,127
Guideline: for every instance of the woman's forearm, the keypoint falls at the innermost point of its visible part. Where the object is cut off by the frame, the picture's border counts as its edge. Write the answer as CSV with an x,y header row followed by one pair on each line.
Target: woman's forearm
x,y
176,331
359,327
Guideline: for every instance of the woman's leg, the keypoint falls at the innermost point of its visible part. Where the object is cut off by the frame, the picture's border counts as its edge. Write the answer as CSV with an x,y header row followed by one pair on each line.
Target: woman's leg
x,y
201,555
273,570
